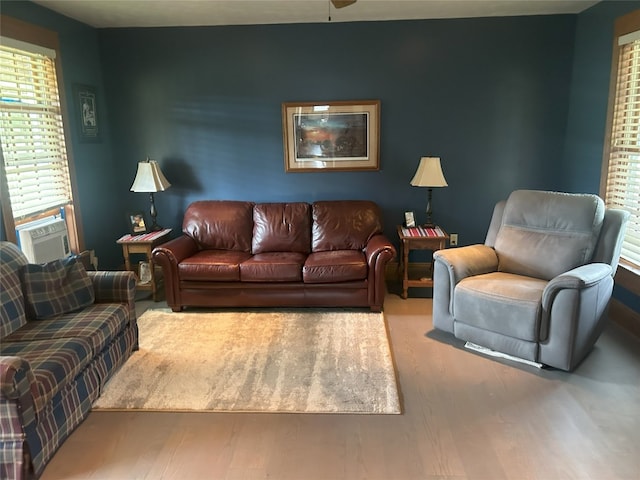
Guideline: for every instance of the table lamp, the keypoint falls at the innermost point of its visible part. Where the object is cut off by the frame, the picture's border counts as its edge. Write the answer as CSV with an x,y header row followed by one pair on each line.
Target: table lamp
x,y
429,174
150,179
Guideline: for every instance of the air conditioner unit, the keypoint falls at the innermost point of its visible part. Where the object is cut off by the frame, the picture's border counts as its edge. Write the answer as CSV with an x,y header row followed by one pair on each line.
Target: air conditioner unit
x,y
44,241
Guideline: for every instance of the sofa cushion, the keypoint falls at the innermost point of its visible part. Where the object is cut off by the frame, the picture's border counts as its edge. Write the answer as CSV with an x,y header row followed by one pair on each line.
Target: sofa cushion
x,y
56,287
99,323
55,363
12,312
335,266
544,234
213,265
281,227
503,303
273,267
220,224
344,225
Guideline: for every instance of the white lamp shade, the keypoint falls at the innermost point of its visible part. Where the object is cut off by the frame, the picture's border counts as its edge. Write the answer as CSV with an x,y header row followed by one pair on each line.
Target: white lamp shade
x,y
429,173
149,178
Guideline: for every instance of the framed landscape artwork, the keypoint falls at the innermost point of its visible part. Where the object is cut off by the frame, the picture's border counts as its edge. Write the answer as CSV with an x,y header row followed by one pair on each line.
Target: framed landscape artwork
x,y
325,136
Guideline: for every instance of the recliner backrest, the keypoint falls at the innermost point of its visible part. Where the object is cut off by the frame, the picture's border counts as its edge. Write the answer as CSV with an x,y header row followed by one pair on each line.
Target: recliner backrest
x,y
544,234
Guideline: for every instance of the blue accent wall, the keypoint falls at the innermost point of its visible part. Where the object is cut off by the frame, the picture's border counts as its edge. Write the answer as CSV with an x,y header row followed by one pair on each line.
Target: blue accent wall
x,y
511,102
489,96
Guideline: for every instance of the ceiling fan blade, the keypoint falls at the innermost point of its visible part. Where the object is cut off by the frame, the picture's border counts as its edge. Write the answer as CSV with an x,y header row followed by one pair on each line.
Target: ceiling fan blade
x,y
342,3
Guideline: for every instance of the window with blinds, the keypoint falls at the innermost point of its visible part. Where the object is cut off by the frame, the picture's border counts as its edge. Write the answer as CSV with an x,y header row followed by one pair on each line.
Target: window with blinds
x,y
31,130
623,173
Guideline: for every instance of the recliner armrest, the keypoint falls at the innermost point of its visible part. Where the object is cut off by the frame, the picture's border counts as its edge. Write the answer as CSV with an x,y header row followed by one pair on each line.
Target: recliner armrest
x,y
467,261
578,278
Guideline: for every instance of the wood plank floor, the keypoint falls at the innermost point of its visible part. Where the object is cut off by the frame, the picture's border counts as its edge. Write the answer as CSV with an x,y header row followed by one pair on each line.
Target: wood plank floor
x,y
465,417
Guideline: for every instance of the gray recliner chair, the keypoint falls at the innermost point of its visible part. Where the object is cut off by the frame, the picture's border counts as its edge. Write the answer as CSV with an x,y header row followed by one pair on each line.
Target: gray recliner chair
x,y
539,287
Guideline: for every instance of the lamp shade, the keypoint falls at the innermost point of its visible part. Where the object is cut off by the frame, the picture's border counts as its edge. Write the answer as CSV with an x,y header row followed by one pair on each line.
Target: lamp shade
x,y
429,173
149,178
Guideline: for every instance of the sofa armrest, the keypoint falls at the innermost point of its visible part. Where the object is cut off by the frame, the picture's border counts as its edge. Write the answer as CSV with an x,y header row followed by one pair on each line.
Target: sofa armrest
x,y
17,387
174,251
114,287
379,248
379,251
168,256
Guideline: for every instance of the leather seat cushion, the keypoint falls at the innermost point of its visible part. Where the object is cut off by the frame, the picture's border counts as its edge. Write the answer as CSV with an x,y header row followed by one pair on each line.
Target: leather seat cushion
x,y
213,265
273,267
500,302
335,266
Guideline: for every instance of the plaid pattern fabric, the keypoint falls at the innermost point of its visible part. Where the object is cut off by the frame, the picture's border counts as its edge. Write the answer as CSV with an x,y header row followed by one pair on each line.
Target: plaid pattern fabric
x,y
55,363
51,371
17,415
12,313
115,287
118,351
98,323
56,287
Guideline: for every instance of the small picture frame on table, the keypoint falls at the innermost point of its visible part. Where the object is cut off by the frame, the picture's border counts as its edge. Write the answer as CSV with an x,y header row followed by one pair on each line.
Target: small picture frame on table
x,y
137,223
409,219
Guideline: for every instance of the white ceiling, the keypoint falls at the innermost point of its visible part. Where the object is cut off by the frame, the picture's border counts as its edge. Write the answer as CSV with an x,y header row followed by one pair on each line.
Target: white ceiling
x,y
161,13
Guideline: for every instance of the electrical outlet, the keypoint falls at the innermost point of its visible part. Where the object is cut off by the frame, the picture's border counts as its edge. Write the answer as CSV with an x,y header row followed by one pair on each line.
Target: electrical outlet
x,y
453,239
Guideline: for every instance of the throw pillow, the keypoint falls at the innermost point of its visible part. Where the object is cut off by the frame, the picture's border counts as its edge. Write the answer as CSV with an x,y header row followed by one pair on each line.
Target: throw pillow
x,y
57,287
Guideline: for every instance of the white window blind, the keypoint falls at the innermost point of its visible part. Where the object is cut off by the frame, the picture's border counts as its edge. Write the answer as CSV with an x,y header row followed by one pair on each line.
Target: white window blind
x,y
31,131
623,180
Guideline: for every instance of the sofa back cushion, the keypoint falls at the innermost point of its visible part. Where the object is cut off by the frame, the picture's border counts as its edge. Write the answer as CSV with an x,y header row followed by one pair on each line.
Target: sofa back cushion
x,y
544,234
344,224
57,287
220,224
281,227
12,312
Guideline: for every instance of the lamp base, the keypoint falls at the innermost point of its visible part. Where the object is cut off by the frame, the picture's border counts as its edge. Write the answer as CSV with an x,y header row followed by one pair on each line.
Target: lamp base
x,y
429,225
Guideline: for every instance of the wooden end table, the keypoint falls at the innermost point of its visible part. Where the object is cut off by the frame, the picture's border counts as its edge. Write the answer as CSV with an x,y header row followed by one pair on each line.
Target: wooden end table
x,y
144,244
418,238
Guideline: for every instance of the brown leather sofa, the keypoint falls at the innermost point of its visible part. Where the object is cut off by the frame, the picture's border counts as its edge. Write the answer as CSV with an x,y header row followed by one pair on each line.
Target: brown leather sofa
x,y
245,254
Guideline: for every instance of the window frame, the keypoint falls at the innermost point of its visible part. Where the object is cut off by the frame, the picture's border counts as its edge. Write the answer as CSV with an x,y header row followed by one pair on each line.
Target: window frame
x,y
628,275
26,32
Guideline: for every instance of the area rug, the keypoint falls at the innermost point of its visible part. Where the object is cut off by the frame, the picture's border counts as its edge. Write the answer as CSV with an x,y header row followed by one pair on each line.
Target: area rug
x,y
294,361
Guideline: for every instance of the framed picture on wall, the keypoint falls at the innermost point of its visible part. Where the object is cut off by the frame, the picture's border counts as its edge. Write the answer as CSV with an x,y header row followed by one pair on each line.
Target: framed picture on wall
x,y
321,136
86,105
137,223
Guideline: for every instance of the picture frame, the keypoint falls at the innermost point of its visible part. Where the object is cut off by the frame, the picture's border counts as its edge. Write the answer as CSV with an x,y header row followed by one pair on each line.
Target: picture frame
x,y
137,223
86,105
331,136
409,219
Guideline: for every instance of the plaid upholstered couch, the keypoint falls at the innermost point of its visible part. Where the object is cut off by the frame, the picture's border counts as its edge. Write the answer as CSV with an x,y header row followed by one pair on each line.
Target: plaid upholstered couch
x,y
54,362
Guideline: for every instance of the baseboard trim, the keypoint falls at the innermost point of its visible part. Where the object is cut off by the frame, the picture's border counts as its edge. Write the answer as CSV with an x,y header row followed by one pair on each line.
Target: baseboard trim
x,y
625,317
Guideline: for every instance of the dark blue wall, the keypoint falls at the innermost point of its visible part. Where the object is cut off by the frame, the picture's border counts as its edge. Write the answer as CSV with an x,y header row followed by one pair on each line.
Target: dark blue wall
x,y
514,102
489,96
